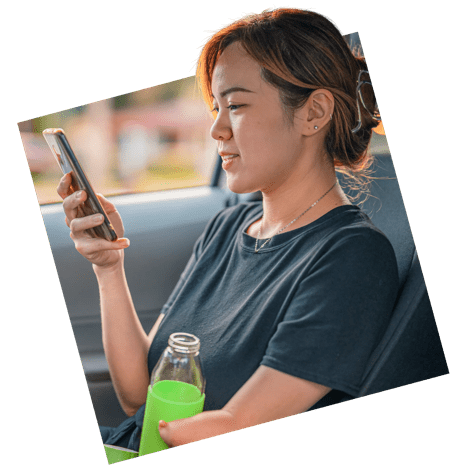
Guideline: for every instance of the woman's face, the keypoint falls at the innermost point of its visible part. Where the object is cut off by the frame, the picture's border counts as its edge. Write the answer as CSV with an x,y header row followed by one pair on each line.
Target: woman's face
x,y
260,148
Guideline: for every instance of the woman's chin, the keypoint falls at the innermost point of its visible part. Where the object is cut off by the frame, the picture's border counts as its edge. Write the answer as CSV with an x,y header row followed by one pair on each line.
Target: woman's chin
x,y
239,187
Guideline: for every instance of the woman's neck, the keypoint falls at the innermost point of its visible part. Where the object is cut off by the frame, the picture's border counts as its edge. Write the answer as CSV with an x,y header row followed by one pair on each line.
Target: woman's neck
x,y
285,204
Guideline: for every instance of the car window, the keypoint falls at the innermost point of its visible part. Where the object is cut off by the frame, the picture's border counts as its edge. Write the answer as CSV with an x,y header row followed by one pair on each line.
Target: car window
x,y
149,140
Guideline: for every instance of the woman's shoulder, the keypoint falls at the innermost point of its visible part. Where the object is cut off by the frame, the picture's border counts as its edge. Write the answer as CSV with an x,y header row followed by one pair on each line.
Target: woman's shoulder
x,y
360,228
342,225
353,236
353,227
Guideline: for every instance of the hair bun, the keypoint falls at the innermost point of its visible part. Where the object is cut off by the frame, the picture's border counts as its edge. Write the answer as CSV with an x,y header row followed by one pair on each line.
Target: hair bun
x,y
368,112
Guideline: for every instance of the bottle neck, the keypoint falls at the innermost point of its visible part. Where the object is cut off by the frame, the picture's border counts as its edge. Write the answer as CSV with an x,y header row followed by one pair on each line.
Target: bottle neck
x,y
184,343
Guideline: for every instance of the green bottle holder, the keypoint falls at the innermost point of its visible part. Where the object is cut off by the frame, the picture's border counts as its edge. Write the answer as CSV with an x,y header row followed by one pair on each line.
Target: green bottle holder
x,y
118,454
167,400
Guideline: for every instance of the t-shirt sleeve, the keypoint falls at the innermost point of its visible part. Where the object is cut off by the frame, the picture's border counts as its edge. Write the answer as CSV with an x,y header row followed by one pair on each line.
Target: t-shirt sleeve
x,y
339,312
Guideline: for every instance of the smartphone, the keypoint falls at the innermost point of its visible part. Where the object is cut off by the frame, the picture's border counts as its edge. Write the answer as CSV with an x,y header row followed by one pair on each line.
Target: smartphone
x,y
68,162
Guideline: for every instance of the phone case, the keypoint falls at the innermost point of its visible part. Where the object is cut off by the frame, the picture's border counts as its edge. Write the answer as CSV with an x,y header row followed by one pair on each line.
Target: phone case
x,y
68,162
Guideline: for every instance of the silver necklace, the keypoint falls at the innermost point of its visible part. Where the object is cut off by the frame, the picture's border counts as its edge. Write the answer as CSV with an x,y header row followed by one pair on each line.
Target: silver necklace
x,y
256,250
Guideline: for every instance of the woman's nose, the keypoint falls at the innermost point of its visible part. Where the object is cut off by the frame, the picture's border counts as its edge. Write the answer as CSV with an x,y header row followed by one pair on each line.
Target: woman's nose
x,y
221,129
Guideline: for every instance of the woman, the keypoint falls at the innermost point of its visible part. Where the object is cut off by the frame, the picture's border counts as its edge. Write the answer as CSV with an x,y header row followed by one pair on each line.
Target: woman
x,y
290,298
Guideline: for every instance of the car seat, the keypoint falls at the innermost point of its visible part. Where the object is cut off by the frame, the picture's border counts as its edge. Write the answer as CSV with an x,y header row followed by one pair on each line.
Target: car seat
x,y
411,349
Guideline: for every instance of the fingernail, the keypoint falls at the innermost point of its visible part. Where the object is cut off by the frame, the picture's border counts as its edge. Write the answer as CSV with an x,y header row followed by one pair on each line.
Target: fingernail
x,y
98,218
161,424
78,194
124,241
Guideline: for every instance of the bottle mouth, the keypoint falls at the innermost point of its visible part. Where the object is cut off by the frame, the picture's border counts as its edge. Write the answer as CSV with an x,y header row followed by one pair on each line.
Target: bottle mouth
x,y
184,342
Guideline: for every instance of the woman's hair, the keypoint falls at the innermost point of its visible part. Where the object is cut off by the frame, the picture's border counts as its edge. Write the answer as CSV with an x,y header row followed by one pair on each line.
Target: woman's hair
x,y
301,51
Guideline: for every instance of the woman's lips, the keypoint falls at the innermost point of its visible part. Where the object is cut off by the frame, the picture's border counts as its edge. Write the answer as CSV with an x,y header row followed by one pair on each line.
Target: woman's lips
x,y
225,156
227,161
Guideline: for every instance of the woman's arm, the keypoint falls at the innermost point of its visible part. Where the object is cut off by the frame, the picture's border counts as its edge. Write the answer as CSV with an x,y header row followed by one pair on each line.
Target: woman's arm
x,y
268,395
125,342
124,339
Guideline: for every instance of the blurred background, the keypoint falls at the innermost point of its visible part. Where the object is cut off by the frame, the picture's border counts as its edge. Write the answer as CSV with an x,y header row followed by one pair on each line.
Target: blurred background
x,y
149,140
153,139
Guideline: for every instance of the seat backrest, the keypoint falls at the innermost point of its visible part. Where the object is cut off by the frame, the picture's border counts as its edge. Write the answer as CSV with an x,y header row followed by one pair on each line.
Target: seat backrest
x,y
410,350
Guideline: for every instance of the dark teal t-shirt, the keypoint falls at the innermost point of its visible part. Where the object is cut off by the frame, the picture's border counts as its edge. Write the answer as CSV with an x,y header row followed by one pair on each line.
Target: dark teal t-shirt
x,y
313,303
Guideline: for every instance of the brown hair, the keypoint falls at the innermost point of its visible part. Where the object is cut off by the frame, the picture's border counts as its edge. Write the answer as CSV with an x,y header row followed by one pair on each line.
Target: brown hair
x,y
300,51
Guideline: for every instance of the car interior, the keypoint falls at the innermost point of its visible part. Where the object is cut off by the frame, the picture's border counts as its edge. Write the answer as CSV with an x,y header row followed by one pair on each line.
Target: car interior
x,y
410,351
163,227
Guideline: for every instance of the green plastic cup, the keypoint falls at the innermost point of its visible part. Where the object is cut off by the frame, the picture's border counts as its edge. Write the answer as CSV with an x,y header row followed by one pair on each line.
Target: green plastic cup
x,y
167,400
118,454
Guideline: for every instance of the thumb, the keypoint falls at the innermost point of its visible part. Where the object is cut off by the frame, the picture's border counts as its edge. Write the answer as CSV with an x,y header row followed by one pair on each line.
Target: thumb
x,y
165,432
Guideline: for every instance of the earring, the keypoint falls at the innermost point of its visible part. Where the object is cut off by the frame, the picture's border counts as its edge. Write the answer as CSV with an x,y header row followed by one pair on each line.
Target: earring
x,y
316,128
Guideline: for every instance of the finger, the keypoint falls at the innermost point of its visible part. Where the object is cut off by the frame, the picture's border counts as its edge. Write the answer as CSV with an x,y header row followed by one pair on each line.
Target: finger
x,y
72,202
79,225
110,211
63,188
165,432
106,204
90,246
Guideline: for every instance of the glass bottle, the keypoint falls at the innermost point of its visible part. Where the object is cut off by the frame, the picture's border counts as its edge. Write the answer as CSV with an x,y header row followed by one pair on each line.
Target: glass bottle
x,y
176,389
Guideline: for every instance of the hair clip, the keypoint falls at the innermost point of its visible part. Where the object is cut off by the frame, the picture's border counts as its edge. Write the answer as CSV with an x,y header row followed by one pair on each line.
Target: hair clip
x,y
360,96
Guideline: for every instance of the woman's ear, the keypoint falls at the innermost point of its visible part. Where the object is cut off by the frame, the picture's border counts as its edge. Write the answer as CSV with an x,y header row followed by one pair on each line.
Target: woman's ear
x,y
317,112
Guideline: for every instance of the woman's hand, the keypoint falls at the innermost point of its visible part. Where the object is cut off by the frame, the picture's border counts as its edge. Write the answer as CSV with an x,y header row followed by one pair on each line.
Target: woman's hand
x,y
201,426
100,252
268,395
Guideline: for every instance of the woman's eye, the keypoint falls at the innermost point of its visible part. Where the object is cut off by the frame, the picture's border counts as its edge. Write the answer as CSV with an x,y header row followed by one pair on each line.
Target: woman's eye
x,y
231,107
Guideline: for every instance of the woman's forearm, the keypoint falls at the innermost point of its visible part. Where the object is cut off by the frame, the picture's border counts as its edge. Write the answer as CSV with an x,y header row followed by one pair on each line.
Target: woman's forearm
x,y
268,395
124,339
201,426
